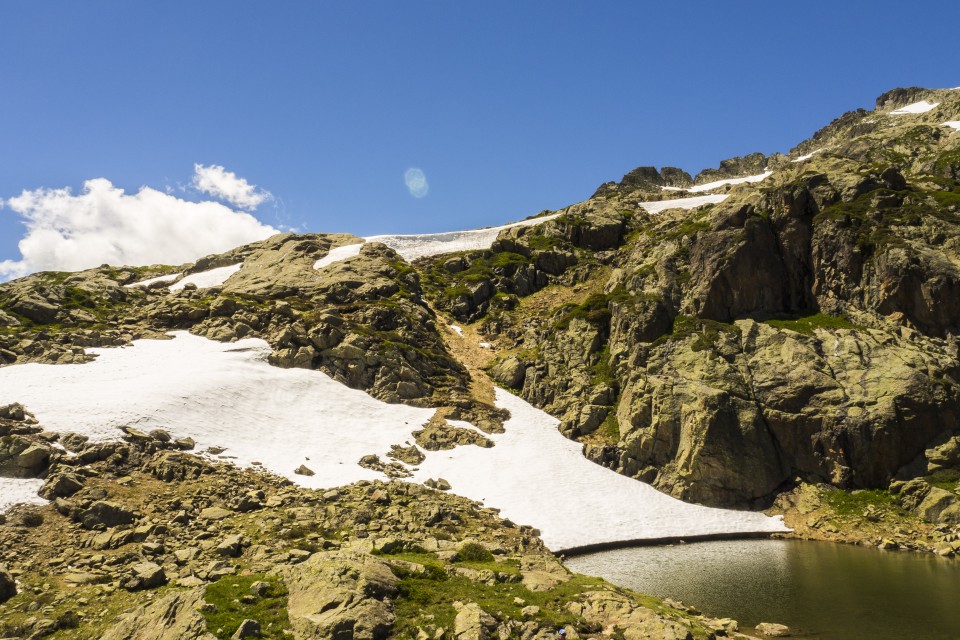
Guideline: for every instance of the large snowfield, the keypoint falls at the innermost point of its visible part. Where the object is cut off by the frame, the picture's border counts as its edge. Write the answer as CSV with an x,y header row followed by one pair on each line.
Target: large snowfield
x,y
917,107
227,395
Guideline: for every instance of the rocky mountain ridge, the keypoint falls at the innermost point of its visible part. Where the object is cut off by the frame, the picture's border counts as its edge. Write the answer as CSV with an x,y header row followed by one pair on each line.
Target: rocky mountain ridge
x,y
792,345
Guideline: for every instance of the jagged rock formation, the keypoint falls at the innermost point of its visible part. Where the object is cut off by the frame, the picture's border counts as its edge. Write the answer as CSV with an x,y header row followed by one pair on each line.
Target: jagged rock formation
x,y
804,327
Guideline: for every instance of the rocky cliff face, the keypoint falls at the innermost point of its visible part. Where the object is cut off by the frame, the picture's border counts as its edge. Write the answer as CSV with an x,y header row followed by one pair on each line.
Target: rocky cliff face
x,y
801,329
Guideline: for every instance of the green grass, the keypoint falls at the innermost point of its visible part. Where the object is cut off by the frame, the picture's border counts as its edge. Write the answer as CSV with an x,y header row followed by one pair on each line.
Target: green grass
x,y
707,332
807,325
596,308
610,429
855,502
879,230
429,599
602,372
541,242
270,611
944,479
473,552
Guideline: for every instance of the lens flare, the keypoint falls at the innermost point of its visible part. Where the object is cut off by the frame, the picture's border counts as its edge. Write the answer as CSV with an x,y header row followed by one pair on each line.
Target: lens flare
x,y
416,182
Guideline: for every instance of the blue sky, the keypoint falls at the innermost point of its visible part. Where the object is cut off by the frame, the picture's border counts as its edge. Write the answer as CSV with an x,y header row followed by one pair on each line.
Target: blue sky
x,y
508,108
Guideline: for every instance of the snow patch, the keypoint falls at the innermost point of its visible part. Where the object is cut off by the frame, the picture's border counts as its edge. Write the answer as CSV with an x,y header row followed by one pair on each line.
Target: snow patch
x,y
486,345
806,156
684,203
219,394
457,330
953,124
207,279
146,283
917,107
19,491
536,476
411,247
228,395
337,254
710,186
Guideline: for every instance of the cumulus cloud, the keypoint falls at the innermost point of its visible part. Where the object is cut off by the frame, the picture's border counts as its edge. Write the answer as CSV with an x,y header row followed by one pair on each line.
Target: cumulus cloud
x,y
228,186
103,224
416,181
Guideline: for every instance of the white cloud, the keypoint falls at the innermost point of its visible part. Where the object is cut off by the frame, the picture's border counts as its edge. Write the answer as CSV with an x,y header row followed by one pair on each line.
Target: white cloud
x,y
416,181
103,224
228,186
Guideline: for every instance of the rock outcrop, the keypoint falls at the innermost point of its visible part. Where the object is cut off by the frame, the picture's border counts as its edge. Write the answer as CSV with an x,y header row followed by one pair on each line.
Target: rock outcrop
x,y
803,328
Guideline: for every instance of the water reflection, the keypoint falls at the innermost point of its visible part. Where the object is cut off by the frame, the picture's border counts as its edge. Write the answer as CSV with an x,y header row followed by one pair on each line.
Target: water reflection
x,y
827,591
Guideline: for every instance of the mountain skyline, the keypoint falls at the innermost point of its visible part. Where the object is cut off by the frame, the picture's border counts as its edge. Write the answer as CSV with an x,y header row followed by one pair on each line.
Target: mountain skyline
x,y
408,119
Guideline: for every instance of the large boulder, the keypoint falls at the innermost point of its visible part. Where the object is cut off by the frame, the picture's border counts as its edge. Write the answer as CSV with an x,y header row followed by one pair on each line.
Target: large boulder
x,y
175,616
8,586
472,622
34,308
339,594
144,575
61,485
105,514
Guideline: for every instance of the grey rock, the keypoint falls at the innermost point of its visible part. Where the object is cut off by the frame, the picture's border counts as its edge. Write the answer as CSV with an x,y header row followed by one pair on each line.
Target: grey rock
x,y
35,309
145,575
303,470
106,514
61,485
509,372
175,616
247,629
231,546
472,622
8,586
34,457
773,630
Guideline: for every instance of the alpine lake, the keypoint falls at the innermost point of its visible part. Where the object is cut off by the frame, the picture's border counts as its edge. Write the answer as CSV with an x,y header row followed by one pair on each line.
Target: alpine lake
x,y
820,590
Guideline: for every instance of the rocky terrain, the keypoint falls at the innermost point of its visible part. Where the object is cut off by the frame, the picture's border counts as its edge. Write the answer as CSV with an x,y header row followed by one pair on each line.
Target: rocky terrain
x,y
803,330
789,348
144,539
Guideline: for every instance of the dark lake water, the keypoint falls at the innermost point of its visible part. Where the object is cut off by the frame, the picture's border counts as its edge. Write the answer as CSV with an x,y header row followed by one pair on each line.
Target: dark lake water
x,y
821,590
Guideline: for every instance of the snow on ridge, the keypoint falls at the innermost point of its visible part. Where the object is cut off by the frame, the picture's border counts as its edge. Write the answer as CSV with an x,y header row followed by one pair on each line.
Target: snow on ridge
x,y
146,283
953,124
207,279
684,203
413,246
917,107
226,394
709,186
807,156
339,253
